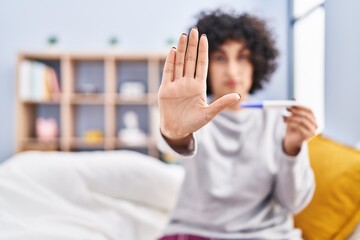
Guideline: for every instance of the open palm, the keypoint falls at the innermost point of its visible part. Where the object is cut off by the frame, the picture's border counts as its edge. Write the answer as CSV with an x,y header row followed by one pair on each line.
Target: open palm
x,y
182,94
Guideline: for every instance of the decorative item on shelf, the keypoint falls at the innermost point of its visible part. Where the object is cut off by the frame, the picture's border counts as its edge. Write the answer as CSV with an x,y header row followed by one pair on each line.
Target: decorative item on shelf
x,y
132,89
52,42
131,134
46,129
114,42
88,88
169,43
93,136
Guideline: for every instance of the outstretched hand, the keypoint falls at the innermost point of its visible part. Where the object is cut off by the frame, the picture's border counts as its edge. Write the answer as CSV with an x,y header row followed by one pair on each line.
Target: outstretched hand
x,y
182,94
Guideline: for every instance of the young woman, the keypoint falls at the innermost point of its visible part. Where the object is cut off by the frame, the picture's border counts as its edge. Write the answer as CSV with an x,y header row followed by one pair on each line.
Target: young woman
x,y
247,170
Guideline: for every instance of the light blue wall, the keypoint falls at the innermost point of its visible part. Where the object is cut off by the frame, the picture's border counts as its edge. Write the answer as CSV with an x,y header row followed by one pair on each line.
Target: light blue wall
x,y
86,25
342,71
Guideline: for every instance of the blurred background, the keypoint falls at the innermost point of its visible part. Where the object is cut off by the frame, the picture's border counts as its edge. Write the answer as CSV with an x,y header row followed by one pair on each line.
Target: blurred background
x,y
319,62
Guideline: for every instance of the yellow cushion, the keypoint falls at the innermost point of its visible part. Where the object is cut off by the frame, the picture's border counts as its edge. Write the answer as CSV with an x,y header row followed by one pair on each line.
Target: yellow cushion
x,y
335,208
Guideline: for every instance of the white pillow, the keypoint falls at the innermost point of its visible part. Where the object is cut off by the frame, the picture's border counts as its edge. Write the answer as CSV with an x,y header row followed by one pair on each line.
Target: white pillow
x,y
119,174
136,177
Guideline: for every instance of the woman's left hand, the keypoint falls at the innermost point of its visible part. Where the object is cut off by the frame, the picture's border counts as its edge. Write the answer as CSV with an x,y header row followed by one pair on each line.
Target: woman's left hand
x,y
301,125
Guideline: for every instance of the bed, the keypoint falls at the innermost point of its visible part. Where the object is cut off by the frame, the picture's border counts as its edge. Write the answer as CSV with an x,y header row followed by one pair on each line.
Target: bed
x,y
86,195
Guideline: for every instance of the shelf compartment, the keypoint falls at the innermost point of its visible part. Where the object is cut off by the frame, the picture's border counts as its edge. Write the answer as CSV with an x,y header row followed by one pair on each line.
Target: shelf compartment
x,y
50,121
88,118
89,76
132,128
39,79
132,77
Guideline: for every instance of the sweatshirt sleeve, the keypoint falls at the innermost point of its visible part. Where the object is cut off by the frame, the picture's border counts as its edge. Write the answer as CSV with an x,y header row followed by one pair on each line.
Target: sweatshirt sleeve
x,y
295,183
163,146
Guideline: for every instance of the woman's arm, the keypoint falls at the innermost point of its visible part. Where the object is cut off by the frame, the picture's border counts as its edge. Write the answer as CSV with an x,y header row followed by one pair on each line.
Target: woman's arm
x,y
295,182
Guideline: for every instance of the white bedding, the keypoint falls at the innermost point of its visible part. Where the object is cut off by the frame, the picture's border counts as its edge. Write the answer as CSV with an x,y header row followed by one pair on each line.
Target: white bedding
x,y
86,196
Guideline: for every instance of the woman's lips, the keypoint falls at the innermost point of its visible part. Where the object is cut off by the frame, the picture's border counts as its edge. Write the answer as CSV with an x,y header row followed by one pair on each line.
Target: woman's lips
x,y
231,83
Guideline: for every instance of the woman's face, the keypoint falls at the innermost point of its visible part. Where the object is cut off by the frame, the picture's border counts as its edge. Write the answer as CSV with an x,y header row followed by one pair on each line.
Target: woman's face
x,y
230,70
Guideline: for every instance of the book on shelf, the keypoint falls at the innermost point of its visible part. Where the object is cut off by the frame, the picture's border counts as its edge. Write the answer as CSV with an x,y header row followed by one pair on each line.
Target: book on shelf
x,y
38,82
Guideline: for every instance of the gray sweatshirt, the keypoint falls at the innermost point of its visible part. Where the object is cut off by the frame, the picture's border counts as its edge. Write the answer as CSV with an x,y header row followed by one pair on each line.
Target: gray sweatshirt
x,y
239,184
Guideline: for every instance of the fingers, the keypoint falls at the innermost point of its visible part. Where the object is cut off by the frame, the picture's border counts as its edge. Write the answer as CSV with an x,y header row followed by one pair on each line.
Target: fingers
x,y
304,133
190,56
191,53
168,71
302,120
304,112
180,57
202,61
220,104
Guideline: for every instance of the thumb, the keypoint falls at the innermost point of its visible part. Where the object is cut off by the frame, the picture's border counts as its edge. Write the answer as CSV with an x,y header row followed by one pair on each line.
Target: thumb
x,y
220,104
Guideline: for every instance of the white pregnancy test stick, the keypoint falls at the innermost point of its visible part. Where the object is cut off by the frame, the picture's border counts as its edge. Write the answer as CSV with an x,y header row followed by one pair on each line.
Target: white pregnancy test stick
x,y
270,104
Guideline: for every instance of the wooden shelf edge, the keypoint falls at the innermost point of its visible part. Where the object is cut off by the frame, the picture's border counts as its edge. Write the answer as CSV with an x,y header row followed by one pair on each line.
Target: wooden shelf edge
x,y
41,145
45,102
82,143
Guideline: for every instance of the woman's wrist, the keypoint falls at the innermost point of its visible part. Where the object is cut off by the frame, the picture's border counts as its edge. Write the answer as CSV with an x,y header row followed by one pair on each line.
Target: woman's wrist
x,y
291,149
179,141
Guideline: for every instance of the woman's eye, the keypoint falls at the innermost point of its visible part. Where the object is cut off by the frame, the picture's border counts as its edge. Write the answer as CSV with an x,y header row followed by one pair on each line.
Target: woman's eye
x,y
219,58
243,57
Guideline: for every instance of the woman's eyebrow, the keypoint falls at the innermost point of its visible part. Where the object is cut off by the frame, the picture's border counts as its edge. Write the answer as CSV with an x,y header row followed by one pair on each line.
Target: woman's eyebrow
x,y
219,50
242,50
245,50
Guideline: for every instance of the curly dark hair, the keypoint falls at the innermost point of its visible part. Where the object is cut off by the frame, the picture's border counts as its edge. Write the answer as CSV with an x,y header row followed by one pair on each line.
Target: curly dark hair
x,y
220,27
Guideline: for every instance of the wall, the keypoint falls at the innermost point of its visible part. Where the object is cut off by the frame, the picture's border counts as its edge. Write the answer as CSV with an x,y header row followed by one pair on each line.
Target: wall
x,y
86,25
342,71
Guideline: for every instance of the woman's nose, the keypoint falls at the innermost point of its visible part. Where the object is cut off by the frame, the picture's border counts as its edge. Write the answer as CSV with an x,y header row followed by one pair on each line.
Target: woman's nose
x,y
233,69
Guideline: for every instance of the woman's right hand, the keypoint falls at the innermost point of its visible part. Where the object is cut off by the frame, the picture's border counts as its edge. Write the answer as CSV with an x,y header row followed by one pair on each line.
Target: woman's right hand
x,y
182,94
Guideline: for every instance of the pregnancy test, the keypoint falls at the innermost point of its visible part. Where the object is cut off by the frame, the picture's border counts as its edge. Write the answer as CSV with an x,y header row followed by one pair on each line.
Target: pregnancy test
x,y
269,104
